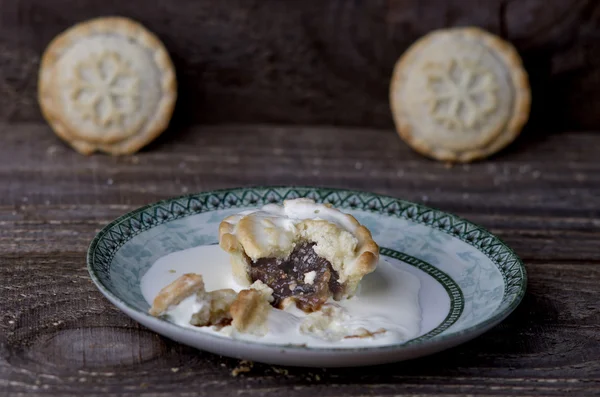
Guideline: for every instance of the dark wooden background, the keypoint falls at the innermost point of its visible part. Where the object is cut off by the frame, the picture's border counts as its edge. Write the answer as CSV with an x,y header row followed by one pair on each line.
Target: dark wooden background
x,y
315,61
300,87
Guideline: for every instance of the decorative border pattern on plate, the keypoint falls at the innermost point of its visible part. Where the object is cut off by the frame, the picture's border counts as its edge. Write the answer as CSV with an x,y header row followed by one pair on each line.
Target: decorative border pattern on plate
x,y
457,300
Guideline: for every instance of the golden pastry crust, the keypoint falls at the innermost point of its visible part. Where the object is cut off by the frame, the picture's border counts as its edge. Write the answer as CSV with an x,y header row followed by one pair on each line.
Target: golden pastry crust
x,y
263,289
250,312
215,310
215,304
363,333
171,295
345,243
126,75
357,248
459,95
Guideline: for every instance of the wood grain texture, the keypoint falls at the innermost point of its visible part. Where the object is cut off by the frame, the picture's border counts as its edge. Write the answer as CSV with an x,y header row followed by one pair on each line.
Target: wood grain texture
x,y
315,61
60,337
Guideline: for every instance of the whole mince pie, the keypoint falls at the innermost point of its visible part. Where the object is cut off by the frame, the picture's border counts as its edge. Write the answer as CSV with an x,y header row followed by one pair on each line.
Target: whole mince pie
x,y
305,252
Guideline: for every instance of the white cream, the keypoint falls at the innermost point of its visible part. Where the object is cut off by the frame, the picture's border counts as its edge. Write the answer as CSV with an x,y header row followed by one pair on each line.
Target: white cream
x,y
300,209
387,298
292,212
184,310
309,277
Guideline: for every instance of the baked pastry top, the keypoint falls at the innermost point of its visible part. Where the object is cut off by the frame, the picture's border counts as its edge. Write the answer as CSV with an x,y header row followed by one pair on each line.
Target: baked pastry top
x,y
304,251
107,84
459,94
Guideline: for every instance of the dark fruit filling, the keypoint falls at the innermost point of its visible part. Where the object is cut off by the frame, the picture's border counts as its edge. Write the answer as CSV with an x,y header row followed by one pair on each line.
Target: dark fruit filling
x,y
287,278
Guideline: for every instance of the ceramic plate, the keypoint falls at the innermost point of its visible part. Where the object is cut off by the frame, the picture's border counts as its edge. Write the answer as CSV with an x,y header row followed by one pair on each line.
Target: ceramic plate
x,y
470,280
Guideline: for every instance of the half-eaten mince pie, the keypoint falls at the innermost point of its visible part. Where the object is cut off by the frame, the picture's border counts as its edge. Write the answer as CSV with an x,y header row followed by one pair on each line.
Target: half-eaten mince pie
x,y
304,251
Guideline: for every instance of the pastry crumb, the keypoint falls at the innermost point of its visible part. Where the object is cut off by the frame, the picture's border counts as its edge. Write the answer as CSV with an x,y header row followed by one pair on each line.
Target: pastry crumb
x,y
280,371
365,333
245,366
326,323
264,289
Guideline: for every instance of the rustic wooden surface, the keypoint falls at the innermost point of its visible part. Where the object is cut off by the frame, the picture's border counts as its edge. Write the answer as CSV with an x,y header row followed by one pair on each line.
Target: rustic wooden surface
x,y
320,61
60,337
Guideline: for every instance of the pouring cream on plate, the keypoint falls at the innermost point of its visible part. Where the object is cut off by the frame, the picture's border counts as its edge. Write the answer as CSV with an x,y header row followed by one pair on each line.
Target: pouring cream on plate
x,y
386,305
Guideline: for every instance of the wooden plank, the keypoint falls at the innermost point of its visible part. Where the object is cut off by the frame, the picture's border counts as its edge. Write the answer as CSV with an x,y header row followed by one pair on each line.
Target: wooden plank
x,y
68,229
61,337
56,197
314,61
37,169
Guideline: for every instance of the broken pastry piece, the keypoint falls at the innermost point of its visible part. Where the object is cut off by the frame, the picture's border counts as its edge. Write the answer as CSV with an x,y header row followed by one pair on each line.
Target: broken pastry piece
x,y
304,251
174,293
215,310
247,311
213,305
250,312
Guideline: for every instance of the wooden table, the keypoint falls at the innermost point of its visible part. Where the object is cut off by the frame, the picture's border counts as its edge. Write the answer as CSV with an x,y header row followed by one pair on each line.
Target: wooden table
x,y
59,336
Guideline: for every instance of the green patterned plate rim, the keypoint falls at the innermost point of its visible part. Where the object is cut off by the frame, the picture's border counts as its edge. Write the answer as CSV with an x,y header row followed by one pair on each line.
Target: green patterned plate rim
x,y
455,295
111,238
457,300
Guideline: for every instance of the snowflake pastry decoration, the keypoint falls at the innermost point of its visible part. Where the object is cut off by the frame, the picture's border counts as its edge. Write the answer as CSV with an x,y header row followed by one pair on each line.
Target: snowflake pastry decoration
x,y
461,94
105,89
